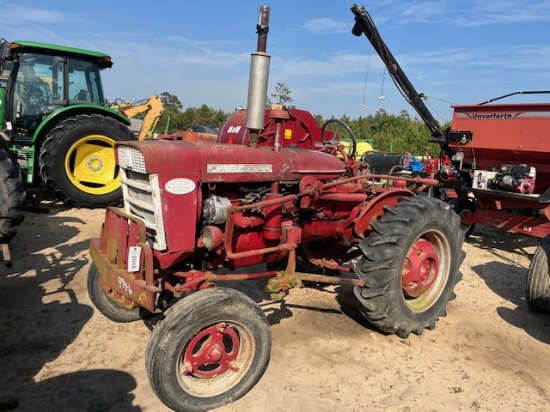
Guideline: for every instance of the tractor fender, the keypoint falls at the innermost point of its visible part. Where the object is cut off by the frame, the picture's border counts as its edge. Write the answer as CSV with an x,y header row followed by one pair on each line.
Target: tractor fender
x,y
56,117
374,209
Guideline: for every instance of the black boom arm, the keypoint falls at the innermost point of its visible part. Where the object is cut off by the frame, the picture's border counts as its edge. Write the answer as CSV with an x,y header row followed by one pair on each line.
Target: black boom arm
x,y
364,24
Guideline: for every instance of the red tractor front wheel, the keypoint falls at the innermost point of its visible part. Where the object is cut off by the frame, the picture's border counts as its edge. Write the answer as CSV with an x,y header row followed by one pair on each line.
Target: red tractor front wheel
x,y
410,265
213,346
104,299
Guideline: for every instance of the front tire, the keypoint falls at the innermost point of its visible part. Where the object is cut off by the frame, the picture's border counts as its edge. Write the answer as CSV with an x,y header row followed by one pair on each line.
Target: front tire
x,y
77,161
410,266
12,197
538,279
104,303
211,349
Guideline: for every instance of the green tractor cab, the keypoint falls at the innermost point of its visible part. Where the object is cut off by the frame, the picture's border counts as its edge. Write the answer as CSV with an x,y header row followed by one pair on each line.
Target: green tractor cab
x,y
61,129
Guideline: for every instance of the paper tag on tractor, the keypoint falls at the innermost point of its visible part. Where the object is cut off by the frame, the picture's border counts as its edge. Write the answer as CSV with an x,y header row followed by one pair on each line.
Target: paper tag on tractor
x,y
134,253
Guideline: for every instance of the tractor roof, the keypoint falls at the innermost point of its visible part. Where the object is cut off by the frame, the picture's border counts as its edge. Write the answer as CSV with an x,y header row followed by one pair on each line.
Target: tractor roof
x,y
104,60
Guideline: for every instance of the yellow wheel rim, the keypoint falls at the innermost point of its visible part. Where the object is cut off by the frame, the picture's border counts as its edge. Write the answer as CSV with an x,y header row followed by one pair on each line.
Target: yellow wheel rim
x,y
91,167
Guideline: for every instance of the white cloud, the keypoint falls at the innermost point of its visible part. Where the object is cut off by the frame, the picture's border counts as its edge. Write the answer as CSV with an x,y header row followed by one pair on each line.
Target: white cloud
x,y
325,25
25,14
501,13
200,43
423,11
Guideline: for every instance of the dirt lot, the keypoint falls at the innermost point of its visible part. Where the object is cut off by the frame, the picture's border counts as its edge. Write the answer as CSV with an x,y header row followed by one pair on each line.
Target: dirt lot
x,y
489,354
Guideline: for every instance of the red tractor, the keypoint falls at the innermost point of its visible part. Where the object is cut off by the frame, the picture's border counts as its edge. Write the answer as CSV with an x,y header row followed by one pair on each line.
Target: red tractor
x,y
192,208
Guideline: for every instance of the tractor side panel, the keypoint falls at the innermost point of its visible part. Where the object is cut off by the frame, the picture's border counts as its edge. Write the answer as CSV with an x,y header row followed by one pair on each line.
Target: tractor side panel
x,y
181,197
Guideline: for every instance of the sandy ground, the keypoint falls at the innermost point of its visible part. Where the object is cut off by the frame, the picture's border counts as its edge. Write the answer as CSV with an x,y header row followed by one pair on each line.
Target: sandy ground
x,y
489,354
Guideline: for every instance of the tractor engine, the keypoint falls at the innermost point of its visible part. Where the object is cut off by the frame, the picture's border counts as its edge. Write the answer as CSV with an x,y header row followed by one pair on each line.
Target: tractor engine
x,y
515,178
222,201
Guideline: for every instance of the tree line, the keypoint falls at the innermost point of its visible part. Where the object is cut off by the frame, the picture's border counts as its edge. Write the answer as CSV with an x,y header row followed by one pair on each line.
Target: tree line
x,y
386,132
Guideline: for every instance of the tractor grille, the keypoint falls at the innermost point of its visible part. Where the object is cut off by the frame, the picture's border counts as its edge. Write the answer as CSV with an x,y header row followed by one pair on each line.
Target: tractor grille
x,y
131,158
142,199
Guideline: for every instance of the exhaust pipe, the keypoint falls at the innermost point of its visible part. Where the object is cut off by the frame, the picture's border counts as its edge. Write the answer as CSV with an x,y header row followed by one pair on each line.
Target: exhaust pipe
x,y
257,83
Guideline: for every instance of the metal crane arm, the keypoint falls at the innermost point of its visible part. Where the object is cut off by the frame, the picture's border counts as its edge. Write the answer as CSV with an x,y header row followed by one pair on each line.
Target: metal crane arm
x,y
364,24
153,111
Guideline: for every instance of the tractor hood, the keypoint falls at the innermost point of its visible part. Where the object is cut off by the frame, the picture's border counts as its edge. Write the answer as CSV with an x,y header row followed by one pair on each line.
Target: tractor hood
x,y
235,163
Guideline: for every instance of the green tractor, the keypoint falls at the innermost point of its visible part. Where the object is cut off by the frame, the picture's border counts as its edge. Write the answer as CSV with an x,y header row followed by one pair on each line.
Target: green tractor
x,y
60,128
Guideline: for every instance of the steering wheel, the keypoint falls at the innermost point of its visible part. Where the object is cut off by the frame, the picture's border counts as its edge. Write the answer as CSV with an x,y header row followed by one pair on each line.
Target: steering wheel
x,y
35,95
32,91
82,95
333,141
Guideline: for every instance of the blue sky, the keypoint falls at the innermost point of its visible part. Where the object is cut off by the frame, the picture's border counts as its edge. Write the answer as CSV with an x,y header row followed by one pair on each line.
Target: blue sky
x,y
453,51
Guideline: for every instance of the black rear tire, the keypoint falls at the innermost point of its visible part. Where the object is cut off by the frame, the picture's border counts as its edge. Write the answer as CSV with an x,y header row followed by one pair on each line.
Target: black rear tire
x,y
77,161
410,265
12,197
107,306
211,349
538,279
462,205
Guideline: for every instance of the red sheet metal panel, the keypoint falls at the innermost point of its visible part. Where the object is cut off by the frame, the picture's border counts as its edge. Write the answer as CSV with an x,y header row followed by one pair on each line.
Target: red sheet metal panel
x,y
506,134
299,130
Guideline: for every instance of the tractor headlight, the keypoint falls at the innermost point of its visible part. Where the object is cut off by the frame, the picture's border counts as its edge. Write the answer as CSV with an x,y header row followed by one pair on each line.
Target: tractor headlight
x,y
212,237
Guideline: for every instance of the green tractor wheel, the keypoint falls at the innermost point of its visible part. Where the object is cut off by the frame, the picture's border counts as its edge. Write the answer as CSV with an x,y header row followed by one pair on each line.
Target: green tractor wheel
x,y
12,197
77,161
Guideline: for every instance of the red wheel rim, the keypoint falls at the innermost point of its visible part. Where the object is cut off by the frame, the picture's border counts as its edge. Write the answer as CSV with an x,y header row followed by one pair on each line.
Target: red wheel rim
x,y
420,268
211,352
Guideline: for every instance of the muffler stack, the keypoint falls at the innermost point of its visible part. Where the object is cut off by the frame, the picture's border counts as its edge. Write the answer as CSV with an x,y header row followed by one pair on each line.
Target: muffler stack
x,y
257,83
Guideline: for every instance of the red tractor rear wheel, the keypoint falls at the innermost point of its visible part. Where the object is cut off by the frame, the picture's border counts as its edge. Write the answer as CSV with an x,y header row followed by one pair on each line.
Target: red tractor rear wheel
x,y
410,265
213,347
